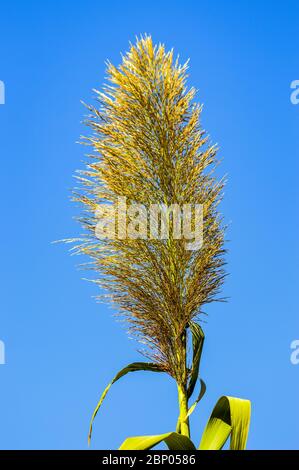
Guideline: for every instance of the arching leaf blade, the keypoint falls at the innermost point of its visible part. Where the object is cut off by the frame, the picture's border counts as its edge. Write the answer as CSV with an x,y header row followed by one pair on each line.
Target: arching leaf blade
x,y
173,440
197,345
203,388
134,367
229,418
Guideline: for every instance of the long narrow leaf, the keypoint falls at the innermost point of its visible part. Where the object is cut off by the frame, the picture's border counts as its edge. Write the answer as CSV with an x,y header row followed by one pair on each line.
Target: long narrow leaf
x,y
173,440
134,367
230,417
197,345
203,388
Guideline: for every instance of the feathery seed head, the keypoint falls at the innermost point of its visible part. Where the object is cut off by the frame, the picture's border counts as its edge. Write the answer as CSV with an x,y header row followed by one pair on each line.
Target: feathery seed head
x,y
149,148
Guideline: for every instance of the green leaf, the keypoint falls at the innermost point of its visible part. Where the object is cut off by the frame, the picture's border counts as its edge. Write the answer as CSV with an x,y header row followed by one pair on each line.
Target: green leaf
x,y
197,345
203,388
230,417
173,440
135,366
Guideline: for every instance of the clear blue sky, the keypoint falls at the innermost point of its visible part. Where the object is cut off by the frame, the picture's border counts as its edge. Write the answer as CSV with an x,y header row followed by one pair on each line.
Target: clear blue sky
x,y
61,347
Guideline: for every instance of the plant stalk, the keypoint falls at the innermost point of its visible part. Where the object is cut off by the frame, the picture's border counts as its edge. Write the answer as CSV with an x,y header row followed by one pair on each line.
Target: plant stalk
x,y
183,421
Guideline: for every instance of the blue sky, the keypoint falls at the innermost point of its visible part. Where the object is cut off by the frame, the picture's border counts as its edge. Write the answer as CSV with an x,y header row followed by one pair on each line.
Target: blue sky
x,y
61,347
